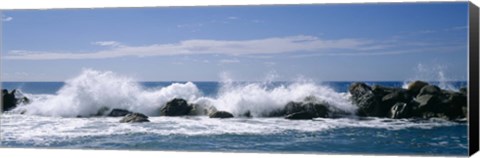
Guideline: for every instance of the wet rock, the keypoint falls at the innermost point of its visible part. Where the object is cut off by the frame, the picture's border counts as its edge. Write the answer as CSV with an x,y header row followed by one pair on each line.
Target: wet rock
x,y
134,118
201,110
10,100
315,109
415,87
119,113
368,103
303,115
221,114
176,107
430,89
389,100
401,110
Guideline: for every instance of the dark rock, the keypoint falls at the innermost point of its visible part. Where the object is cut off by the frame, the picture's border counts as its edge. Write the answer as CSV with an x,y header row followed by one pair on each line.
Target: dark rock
x,y
368,103
119,113
430,89
293,107
9,100
315,109
463,90
427,102
300,116
134,118
415,87
246,114
389,100
401,110
176,107
455,105
221,114
201,110
382,90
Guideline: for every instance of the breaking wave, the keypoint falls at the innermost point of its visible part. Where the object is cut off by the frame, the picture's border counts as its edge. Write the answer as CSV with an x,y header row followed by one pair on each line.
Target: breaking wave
x,y
93,90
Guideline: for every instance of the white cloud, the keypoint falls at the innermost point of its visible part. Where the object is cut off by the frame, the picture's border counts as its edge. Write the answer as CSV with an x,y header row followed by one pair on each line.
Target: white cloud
x,y
108,43
229,61
232,18
5,18
260,47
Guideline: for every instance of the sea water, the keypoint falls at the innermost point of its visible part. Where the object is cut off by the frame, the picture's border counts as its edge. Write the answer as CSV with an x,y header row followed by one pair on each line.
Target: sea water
x,y
51,119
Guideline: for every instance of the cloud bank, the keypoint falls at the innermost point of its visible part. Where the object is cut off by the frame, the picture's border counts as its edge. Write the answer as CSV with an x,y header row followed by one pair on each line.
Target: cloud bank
x,y
274,45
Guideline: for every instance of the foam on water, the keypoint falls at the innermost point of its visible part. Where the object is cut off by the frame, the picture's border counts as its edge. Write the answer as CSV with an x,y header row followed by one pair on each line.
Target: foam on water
x,y
42,130
93,90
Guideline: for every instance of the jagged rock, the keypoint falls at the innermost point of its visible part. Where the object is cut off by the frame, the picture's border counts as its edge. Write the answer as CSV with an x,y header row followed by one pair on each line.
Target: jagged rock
x,y
201,109
221,114
415,87
134,118
176,107
455,105
315,109
368,103
389,100
401,110
119,113
430,89
10,100
303,115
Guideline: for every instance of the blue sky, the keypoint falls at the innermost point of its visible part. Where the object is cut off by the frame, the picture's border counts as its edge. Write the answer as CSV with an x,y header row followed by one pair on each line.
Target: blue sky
x,y
347,42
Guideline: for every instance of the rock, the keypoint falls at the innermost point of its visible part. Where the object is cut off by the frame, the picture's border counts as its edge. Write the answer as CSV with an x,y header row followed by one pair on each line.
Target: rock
x,y
300,116
401,110
9,100
382,91
415,87
201,110
246,114
455,105
368,103
315,109
119,113
430,89
175,107
427,102
463,90
221,114
389,100
134,118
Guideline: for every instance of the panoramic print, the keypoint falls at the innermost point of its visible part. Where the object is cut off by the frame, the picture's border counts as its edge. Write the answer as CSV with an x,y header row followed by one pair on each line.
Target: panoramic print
x,y
332,78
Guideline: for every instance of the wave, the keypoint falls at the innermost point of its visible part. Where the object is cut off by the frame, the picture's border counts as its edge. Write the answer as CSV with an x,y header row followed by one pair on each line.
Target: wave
x,y
94,90
39,129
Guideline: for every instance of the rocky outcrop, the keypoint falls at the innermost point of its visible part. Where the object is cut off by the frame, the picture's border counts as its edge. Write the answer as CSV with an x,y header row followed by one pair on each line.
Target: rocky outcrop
x,y
401,110
415,87
176,107
419,100
134,118
313,108
303,115
119,113
221,114
10,100
368,103
201,110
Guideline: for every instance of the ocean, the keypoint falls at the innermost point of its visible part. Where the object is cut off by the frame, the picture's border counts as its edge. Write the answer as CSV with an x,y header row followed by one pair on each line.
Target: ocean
x,y
50,120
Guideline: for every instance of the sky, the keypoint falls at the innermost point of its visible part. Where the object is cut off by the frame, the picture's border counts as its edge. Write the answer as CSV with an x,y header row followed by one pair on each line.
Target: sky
x,y
329,42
